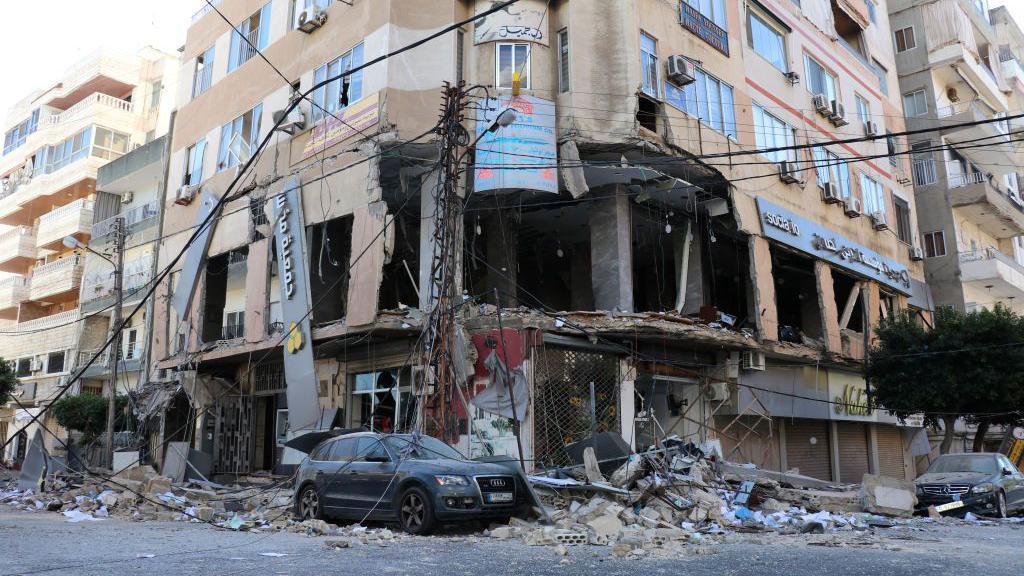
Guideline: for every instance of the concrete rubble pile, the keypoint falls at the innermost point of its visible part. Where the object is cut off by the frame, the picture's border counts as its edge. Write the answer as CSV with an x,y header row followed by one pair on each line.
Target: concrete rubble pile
x,y
676,495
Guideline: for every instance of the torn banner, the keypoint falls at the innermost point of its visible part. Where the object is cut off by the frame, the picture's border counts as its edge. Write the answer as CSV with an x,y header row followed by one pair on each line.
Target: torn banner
x,y
496,398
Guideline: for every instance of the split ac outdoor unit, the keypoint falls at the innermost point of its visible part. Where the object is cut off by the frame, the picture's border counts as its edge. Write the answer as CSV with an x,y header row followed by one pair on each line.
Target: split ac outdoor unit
x,y
681,71
838,115
295,122
311,19
821,104
870,128
185,195
751,360
916,254
787,172
127,197
878,221
853,209
718,391
829,193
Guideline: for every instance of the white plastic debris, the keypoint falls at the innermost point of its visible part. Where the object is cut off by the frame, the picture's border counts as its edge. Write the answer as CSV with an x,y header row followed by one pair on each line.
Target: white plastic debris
x,y
273,554
75,516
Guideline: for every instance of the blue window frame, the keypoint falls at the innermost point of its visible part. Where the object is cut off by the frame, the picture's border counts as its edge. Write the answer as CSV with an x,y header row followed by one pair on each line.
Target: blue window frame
x,y
329,97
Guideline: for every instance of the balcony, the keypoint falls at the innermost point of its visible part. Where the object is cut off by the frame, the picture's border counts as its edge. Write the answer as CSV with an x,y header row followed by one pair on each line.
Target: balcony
x,y
992,209
74,219
54,332
100,71
98,287
13,291
17,249
136,221
955,63
57,281
76,180
991,275
1013,73
999,155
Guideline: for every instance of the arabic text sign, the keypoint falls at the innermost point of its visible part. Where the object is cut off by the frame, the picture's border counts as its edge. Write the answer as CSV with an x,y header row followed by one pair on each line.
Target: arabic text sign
x,y
784,226
358,116
703,27
524,21
521,156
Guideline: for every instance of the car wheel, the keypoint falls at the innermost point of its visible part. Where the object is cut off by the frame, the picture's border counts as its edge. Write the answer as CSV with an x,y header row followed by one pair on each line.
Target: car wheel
x,y
309,504
415,512
1001,511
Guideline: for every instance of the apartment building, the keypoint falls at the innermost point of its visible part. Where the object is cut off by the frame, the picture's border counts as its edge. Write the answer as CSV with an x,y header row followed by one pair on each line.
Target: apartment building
x,y
642,254
957,64
56,141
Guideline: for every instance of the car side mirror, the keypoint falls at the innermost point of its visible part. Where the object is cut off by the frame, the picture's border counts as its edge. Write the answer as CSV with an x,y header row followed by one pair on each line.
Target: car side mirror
x,y
1007,472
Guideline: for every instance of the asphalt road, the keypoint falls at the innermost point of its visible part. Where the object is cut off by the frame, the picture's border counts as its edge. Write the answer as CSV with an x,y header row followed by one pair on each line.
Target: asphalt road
x,y
44,543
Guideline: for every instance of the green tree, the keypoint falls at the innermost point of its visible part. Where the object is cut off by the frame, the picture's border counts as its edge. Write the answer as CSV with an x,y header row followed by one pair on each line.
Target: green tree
x,y
8,381
87,413
969,364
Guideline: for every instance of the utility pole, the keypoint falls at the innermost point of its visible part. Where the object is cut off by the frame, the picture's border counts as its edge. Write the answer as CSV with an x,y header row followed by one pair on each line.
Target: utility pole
x,y
116,328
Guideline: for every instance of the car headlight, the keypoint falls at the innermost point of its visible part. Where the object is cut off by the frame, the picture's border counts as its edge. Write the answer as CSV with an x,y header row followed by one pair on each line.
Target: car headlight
x,y
983,488
447,480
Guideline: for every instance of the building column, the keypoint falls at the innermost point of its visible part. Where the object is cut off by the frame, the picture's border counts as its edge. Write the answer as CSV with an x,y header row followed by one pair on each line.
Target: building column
x,y
767,318
256,286
611,256
827,306
627,401
872,303
833,445
873,464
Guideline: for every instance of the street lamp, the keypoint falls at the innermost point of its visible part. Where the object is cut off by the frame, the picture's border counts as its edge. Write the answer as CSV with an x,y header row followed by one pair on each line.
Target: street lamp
x,y
115,324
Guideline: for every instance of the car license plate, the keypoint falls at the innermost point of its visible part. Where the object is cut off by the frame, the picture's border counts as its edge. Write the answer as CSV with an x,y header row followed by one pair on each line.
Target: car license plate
x,y
498,497
949,506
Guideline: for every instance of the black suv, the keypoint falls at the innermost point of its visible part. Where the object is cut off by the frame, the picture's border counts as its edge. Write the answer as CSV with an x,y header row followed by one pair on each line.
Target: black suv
x,y
417,481
986,483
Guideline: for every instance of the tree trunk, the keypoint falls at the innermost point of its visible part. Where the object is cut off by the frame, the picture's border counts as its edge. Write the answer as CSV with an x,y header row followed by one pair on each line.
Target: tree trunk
x,y
947,438
979,436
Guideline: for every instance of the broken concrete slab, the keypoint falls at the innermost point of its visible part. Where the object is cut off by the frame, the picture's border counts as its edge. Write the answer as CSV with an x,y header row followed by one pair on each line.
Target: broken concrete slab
x,y
888,496
591,465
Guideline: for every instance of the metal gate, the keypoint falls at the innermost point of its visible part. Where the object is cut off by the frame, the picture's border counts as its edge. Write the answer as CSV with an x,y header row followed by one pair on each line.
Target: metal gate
x,y
561,413
890,451
233,446
854,461
807,448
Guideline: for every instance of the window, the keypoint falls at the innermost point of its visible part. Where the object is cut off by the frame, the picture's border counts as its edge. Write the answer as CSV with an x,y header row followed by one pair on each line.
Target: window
x,y
902,213
905,39
819,80
71,150
109,145
24,368
890,145
383,401
882,74
298,6
239,138
338,94
873,193
342,450
767,37
923,164
55,362
131,347
234,325
863,108
771,132
194,163
935,244
872,9
370,447
460,56
649,71
249,37
16,136
830,168
710,99
155,88
915,103
563,60
713,9
510,59
203,74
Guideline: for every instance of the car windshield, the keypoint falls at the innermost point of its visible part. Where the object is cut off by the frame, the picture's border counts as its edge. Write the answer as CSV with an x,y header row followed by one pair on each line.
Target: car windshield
x,y
427,449
964,463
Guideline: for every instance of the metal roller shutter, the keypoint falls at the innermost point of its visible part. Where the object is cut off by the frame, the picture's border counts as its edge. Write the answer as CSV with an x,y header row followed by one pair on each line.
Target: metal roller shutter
x,y
890,451
854,460
807,448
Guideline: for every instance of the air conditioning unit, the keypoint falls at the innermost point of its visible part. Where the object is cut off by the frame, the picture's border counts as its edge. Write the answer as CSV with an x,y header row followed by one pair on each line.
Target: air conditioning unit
x,y
752,360
916,254
718,391
127,197
185,195
311,19
829,193
821,104
37,365
294,123
838,115
681,71
853,209
870,128
878,221
788,172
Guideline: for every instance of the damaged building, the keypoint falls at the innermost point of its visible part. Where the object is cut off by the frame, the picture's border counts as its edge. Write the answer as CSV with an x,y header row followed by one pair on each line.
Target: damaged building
x,y
624,257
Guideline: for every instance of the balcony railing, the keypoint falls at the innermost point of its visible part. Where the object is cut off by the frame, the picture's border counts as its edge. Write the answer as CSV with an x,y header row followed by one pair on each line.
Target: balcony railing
x,y
205,9
232,331
47,322
201,80
990,254
966,179
135,219
13,291
65,210
96,98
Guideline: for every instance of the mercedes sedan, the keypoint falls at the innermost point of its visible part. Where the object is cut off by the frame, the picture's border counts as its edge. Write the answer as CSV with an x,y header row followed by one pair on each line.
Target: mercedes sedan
x,y
419,482
983,483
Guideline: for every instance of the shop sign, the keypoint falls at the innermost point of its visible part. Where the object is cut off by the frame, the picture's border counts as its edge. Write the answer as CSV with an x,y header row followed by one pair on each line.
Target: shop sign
x,y
848,394
703,27
524,21
786,227
526,147
343,125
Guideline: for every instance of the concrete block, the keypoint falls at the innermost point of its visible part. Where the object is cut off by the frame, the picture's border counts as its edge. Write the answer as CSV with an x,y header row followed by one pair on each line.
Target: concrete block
x,y
888,496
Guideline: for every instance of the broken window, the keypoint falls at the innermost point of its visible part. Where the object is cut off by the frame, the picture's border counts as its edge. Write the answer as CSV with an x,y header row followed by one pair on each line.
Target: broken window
x,y
330,247
659,251
849,31
399,283
796,296
848,298
224,298
647,113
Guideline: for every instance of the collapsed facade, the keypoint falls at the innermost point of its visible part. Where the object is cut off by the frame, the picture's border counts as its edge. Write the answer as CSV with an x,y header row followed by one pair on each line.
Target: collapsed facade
x,y
654,277
57,142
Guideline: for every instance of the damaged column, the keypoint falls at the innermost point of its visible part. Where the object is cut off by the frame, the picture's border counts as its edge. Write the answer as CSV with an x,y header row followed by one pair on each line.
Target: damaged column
x,y
610,251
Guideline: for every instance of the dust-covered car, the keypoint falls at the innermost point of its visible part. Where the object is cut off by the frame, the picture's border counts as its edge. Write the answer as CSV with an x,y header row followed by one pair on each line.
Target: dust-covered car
x,y
984,483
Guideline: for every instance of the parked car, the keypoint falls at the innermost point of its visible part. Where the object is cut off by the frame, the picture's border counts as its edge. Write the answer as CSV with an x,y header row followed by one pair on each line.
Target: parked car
x,y
985,483
417,482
